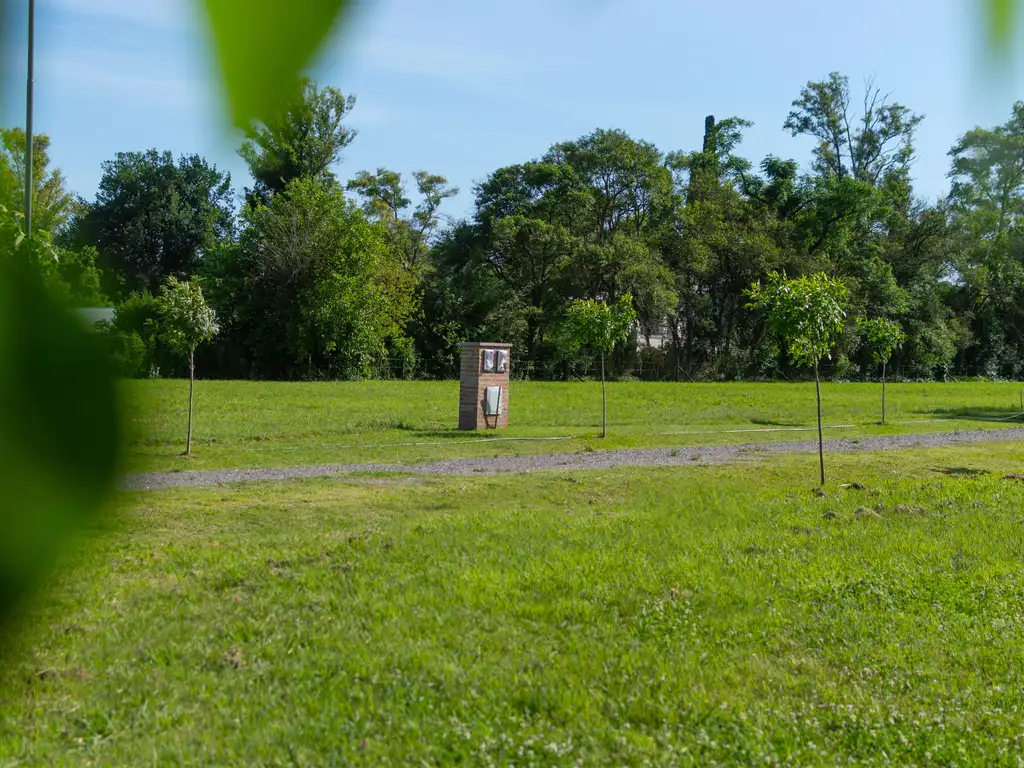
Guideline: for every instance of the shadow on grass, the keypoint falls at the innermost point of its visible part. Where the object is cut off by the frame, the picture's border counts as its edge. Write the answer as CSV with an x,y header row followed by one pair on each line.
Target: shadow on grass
x,y
384,425
770,423
454,434
962,472
1008,415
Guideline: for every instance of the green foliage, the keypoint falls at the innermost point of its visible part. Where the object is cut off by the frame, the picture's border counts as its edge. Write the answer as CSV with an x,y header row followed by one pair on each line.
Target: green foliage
x,y
138,313
185,323
986,202
986,173
882,337
881,145
311,289
264,47
31,256
185,319
806,313
594,324
683,232
58,440
59,431
52,204
133,336
1001,18
154,218
385,201
584,221
78,270
128,351
301,139
71,276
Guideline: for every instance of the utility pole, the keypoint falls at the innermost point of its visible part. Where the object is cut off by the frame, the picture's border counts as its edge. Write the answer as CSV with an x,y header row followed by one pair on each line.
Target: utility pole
x,y
28,116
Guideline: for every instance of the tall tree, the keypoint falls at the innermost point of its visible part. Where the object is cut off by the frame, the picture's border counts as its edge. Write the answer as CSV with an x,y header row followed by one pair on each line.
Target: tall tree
x,y
625,180
385,200
52,204
987,262
155,218
715,247
303,139
531,258
579,223
311,290
868,146
987,175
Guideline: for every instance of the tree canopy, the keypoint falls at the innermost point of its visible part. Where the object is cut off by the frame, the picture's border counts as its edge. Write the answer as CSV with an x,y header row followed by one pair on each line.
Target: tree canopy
x,y
317,275
155,218
303,138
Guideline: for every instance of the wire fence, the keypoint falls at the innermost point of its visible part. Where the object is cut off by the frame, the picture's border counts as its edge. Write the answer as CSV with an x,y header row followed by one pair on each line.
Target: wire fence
x,y
664,369
534,370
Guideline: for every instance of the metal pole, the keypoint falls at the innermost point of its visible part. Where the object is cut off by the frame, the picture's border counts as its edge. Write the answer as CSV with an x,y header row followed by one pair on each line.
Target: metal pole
x,y
28,116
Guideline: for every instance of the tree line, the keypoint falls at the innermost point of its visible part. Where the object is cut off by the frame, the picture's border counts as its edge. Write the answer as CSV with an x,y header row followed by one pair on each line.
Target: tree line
x,y
316,277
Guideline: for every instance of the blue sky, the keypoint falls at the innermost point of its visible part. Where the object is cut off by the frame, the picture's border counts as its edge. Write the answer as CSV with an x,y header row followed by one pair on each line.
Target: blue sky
x,y
461,88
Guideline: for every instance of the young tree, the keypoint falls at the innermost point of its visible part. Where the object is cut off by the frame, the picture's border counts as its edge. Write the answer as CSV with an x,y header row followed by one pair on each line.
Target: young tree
x,y
807,314
882,337
592,323
186,322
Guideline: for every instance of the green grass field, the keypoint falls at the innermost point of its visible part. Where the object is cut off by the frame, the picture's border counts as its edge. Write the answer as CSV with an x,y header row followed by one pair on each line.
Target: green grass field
x,y
250,424
698,616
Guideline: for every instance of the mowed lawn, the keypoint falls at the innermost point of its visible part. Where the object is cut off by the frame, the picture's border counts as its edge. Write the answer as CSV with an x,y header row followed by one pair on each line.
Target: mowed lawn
x,y
264,424
699,616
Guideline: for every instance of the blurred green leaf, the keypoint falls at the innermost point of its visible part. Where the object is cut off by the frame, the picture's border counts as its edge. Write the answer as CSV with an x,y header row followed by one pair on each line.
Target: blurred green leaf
x,y
1001,18
58,429
263,46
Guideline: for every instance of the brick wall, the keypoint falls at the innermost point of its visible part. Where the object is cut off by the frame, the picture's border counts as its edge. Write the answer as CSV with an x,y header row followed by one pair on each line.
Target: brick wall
x,y
473,383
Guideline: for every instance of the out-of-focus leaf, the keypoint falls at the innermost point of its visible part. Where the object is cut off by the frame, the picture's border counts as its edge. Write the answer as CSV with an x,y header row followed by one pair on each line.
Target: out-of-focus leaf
x,y
1001,21
58,430
263,46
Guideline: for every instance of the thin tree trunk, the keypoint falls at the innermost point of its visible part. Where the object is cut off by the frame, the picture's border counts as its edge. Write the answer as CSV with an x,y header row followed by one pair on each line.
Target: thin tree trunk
x,y
821,439
883,392
191,388
604,402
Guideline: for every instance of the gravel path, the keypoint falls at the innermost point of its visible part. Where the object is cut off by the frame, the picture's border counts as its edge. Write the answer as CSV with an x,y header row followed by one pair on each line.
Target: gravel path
x,y
650,457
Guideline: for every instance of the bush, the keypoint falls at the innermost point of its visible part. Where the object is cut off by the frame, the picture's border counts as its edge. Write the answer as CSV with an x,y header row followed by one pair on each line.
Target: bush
x,y
128,351
845,369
